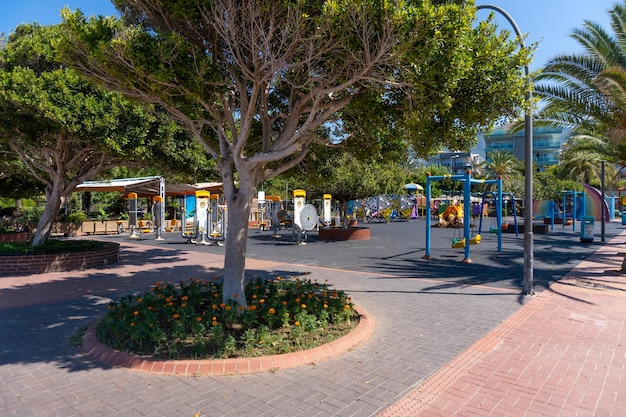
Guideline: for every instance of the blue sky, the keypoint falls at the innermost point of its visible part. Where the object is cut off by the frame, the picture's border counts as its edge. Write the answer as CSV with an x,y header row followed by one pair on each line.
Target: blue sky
x,y
548,22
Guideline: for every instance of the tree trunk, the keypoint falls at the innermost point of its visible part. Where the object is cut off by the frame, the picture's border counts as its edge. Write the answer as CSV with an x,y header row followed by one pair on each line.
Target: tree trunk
x,y
44,227
239,205
54,200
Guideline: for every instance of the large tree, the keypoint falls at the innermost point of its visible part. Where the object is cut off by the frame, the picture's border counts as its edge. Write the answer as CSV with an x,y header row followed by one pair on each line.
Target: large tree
x,y
64,128
256,81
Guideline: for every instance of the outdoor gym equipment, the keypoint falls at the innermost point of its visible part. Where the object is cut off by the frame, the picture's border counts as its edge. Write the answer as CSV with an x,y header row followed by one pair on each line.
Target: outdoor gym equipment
x,y
326,210
467,181
305,217
499,225
132,215
202,215
188,230
216,222
271,208
157,215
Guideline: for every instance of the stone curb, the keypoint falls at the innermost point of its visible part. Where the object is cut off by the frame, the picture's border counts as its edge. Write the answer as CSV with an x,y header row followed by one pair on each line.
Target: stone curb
x,y
100,352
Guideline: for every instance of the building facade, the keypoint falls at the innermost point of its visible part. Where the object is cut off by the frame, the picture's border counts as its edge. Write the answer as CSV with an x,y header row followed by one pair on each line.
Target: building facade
x,y
458,163
547,144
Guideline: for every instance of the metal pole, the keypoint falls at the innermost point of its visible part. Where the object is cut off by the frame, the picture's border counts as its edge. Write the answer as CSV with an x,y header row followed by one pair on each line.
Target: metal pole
x,y
602,219
528,281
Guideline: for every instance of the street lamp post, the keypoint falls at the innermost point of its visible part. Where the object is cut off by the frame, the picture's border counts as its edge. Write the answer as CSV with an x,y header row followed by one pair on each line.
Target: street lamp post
x,y
451,158
528,165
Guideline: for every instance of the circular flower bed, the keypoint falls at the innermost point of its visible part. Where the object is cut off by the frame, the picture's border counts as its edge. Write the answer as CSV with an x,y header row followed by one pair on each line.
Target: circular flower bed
x,y
188,320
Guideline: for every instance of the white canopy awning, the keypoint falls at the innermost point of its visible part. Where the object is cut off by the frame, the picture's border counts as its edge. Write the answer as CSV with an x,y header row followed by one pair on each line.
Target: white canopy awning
x,y
148,186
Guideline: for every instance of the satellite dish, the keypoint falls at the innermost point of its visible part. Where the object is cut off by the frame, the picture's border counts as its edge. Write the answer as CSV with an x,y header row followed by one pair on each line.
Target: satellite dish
x,y
308,217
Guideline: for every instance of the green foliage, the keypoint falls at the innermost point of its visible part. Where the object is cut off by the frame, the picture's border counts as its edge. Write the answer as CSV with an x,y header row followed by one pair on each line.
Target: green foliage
x,y
188,319
51,246
77,217
29,217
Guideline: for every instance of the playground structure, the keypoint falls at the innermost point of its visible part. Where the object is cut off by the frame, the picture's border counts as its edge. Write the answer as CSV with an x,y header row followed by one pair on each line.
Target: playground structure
x,y
451,216
467,182
499,226
383,208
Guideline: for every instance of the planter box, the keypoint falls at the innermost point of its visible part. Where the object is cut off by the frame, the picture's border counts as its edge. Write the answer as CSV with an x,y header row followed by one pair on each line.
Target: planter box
x,y
59,262
344,233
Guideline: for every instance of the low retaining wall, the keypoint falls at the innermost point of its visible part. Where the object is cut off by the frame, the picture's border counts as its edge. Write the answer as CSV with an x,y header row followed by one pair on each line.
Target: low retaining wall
x,y
344,233
59,262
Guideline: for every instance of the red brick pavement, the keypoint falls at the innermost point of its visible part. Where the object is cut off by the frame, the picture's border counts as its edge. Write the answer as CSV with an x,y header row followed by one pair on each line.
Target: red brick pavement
x,y
562,354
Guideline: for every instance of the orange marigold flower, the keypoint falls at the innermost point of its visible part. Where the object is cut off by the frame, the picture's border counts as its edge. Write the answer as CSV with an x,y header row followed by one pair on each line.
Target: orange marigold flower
x,y
303,306
176,315
297,324
262,300
347,307
251,308
185,298
135,313
227,308
235,295
214,323
298,300
215,295
222,305
198,319
183,305
325,305
139,300
214,306
271,311
132,323
254,296
240,308
284,303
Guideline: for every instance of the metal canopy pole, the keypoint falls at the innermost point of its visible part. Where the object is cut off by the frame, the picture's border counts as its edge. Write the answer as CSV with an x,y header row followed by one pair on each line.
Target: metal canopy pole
x,y
528,166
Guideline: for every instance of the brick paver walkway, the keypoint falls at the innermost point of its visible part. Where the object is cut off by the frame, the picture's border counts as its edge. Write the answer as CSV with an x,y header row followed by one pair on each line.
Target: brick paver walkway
x,y
563,354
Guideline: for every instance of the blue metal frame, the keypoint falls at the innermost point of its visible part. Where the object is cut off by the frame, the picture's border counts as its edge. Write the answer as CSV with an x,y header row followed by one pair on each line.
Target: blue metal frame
x,y
467,181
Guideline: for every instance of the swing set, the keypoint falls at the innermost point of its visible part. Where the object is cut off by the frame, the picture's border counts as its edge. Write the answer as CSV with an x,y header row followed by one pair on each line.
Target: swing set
x,y
467,181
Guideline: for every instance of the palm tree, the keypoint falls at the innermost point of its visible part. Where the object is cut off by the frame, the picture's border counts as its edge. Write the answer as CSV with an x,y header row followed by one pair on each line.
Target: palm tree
x,y
502,164
587,92
582,158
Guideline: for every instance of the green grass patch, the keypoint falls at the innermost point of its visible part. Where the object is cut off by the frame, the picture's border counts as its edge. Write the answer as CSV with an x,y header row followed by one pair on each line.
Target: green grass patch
x,y
188,320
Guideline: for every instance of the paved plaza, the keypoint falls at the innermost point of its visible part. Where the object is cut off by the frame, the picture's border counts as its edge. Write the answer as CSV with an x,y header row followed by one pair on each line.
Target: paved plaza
x,y
451,339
